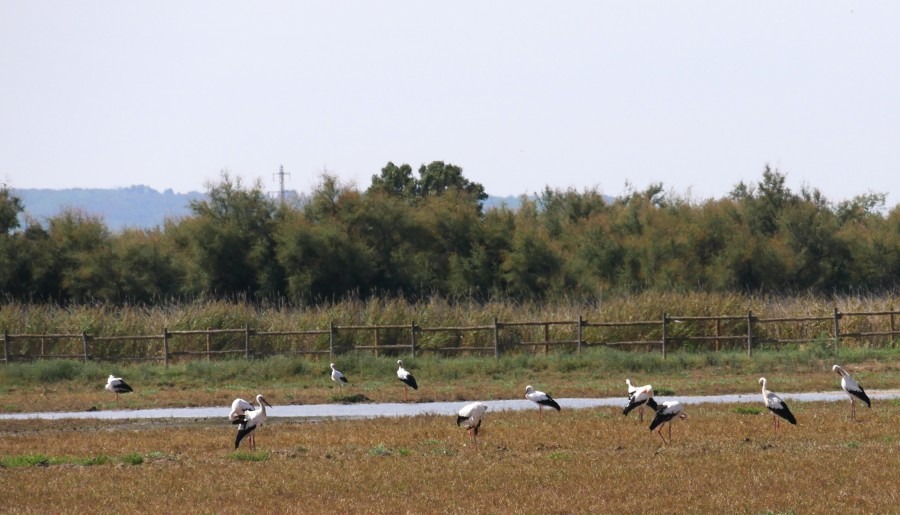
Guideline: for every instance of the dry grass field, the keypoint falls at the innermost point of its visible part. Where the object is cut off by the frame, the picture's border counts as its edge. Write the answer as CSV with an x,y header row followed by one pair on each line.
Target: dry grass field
x,y
724,459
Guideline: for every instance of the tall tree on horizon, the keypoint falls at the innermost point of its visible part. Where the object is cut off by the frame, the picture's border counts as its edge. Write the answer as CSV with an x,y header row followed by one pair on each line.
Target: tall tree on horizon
x,y
232,240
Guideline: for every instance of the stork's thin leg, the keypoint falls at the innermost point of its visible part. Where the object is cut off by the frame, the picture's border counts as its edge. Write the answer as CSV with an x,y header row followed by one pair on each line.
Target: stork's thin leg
x,y
852,409
670,432
659,432
641,412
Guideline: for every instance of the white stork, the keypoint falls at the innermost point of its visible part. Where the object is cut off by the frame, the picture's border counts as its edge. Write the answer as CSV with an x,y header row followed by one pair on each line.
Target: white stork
x,y
407,379
116,385
776,406
666,413
472,415
239,409
637,397
631,387
853,389
541,399
338,377
252,420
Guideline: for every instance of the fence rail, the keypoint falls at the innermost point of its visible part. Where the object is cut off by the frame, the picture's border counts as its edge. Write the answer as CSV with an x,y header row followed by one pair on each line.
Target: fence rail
x,y
745,331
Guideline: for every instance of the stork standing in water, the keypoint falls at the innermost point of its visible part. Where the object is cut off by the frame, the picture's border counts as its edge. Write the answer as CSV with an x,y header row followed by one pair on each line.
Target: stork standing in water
x,y
541,399
666,413
338,377
407,379
252,420
637,397
777,406
472,415
116,385
853,389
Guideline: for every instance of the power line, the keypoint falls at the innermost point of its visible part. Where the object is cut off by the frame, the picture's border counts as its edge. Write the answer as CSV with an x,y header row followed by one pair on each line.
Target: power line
x,y
281,173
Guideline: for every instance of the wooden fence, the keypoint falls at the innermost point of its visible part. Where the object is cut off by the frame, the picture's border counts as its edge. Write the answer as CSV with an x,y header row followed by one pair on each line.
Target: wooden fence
x,y
745,331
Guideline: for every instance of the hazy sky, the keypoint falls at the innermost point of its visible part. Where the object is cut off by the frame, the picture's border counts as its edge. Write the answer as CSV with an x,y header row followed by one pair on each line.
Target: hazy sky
x,y
521,94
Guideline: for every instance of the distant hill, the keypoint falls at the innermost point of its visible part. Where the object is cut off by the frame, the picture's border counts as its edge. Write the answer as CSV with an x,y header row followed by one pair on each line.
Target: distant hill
x,y
511,202
134,206
137,206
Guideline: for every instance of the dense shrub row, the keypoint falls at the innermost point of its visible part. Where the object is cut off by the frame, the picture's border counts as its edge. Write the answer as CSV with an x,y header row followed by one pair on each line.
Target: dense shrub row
x,y
415,237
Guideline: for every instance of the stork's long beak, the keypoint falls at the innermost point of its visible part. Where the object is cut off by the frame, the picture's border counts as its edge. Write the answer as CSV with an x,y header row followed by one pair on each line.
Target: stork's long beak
x,y
267,403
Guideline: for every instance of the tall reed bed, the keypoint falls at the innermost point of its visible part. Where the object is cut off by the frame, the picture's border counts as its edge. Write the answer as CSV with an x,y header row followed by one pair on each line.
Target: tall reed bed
x,y
128,320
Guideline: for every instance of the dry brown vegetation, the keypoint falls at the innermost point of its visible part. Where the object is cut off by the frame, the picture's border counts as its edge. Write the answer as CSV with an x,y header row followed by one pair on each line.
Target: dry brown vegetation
x,y
102,320
591,460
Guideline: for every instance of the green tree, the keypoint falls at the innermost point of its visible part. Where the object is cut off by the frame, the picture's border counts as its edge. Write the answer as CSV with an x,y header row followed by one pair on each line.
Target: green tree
x,y
395,180
35,267
438,177
146,266
560,209
82,245
232,240
531,268
478,274
765,202
321,260
388,228
860,207
818,258
10,208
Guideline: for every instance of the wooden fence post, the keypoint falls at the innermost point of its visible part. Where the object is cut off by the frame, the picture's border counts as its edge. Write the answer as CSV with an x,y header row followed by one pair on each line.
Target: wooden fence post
x,y
749,333
246,341
376,341
496,339
166,346
208,342
331,340
6,346
665,327
580,333
718,332
837,329
891,338
546,338
84,344
412,337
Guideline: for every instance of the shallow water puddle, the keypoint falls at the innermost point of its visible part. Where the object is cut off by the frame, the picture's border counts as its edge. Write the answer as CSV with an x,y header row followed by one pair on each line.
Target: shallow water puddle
x,y
355,411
